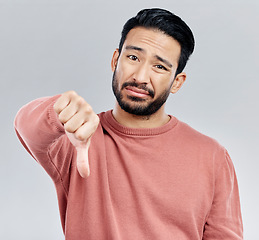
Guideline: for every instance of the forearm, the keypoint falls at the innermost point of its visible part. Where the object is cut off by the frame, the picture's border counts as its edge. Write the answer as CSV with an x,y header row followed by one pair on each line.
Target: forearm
x,y
53,129
225,220
37,126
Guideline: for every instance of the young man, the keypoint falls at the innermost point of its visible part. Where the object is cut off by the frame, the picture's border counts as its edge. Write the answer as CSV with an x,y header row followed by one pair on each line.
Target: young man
x,y
152,176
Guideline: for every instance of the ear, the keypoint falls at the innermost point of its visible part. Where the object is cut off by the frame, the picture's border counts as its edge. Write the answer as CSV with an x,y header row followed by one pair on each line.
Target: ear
x,y
178,82
115,58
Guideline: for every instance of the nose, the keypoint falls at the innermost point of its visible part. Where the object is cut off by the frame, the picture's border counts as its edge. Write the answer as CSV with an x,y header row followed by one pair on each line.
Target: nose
x,y
141,74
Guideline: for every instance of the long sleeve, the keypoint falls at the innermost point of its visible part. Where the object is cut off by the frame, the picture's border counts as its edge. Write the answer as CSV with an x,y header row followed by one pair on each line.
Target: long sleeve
x,y
43,136
224,220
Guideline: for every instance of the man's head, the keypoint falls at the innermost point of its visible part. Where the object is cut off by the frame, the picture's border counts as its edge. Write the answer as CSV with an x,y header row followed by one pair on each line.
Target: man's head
x,y
154,48
167,23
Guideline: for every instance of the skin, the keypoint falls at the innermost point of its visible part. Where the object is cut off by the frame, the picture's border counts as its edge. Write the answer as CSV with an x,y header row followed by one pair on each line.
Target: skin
x,y
140,62
149,60
80,123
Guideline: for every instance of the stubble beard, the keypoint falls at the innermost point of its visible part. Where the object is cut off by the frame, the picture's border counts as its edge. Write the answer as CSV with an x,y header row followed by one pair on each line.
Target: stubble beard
x,y
138,106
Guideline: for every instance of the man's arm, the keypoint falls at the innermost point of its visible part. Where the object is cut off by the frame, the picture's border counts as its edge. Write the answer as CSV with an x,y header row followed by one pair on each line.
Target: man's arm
x,y
224,220
46,121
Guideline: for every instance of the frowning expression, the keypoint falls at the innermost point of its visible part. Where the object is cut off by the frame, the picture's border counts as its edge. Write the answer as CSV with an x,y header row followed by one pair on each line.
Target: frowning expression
x,y
144,71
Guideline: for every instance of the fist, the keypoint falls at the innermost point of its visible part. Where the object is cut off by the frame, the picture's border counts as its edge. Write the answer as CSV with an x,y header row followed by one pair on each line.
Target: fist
x,y
76,115
80,122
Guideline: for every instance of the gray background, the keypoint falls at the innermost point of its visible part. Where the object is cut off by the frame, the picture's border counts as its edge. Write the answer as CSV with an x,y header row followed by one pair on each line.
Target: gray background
x,y
51,46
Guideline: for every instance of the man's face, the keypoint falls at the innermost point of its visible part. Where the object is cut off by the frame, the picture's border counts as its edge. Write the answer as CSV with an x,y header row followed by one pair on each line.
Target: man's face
x,y
144,71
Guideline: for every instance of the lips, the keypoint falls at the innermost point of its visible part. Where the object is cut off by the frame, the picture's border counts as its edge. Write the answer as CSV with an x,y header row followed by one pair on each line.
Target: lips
x,y
137,92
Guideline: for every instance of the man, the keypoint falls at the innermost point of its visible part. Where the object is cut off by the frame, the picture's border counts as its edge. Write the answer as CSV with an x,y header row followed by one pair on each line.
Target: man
x,y
152,176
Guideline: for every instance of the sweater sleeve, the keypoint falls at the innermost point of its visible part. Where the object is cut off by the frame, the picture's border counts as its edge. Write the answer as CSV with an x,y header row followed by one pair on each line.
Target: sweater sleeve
x,y
43,136
224,220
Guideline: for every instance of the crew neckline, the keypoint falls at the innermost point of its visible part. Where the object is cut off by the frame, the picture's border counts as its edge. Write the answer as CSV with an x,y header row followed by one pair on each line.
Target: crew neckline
x,y
110,120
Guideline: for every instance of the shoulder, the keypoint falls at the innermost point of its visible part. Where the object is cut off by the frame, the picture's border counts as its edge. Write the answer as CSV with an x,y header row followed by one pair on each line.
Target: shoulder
x,y
205,148
196,139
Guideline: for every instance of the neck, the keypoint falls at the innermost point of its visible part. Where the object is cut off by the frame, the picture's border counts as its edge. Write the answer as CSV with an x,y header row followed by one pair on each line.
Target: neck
x,y
126,119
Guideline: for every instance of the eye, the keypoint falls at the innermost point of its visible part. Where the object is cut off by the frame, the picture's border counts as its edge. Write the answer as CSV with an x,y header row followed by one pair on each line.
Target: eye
x,y
161,67
132,57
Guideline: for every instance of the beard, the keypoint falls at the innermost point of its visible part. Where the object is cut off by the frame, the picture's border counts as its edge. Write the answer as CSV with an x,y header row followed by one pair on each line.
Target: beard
x,y
135,105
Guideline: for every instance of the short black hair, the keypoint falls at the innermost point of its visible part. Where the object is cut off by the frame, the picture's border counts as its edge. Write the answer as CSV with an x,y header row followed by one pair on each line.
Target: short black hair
x,y
166,22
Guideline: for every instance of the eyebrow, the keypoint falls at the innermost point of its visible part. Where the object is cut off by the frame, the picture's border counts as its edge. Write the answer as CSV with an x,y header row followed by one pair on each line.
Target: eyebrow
x,y
131,47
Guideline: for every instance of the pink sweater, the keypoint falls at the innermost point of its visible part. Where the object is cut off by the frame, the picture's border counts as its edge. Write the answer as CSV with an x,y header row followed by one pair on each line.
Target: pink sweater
x,y
169,182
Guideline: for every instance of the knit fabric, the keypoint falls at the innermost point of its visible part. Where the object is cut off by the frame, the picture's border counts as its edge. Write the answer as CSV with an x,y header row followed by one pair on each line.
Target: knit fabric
x,y
170,182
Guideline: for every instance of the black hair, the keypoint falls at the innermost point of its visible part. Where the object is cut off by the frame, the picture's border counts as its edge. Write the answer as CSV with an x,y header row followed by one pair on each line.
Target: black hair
x,y
167,23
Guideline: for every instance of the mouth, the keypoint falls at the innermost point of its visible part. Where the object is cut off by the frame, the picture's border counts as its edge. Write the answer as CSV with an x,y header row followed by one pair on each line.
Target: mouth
x,y
136,92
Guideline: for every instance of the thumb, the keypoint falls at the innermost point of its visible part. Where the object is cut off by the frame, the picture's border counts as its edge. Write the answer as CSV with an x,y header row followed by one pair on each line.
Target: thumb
x,y
82,160
82,154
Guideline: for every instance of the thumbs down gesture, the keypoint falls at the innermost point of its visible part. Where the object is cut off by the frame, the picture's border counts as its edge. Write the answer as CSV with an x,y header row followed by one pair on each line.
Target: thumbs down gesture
x,y
80,122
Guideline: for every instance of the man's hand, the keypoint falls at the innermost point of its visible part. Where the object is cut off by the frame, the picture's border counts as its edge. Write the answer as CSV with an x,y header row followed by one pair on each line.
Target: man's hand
x,y
80,122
